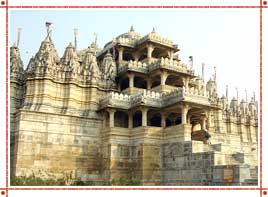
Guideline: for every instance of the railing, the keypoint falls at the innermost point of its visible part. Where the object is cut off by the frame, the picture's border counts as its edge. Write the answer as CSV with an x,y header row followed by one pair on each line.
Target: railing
x,y
170,64
153,99
134,66
156,38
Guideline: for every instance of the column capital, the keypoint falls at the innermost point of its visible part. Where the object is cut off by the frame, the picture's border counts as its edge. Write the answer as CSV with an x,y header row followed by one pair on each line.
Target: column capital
x,y
111,110
120,48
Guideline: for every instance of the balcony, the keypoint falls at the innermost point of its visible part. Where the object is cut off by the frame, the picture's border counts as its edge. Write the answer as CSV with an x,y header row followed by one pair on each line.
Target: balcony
x,y
154,99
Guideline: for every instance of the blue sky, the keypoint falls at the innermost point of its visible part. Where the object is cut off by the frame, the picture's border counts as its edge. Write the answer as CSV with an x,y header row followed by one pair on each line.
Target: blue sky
x,y
225,38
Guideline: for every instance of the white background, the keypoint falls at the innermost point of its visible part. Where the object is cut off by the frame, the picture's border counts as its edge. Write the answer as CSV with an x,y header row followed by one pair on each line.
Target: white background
x,y
133,193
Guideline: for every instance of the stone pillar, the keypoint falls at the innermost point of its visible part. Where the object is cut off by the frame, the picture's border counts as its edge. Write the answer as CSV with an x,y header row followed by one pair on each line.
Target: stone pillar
x,y
209,119
120,53
163,120
150,50
144,117
203,122
163,76
184,111
131,80
136,56
149,84
104,119
130,120
186,82
171,54
111,117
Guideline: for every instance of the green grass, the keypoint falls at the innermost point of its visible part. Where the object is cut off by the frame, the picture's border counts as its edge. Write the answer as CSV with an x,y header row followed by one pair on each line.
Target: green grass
x,y
36,181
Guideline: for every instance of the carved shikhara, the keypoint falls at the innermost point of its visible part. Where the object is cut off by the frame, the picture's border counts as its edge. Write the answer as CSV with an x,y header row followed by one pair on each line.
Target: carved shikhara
x,y
126,111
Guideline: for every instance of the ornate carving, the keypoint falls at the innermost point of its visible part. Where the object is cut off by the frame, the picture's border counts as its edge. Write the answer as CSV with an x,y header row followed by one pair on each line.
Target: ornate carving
x,y
16,65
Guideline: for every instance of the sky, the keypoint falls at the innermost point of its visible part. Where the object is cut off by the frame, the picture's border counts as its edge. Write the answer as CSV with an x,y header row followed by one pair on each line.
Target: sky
x,y
225,38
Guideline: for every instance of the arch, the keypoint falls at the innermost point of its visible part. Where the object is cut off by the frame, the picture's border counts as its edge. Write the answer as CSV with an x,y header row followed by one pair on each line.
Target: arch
x,y
174,80
137,119
127,56
140,82
121,119
158,53
178,120
124,83
173,119
106,119
156,81
155,120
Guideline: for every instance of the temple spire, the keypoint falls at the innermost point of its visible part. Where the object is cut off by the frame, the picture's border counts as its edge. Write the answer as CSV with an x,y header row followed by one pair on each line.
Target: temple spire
x,y
246,95
153,31
227,92
75,38
215,73
131,29
18,36
236,93
191,60
203,71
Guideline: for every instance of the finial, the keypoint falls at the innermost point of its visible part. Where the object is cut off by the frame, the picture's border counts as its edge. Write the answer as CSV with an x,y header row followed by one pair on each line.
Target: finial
x,y
75,37
96,38
49,31
236,93
18,36
254,97
153,31
132,28
203,71
246,95
215,73
227,92
191,61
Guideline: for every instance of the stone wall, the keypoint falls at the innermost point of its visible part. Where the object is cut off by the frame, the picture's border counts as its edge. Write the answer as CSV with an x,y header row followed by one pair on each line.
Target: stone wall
x,y
58,145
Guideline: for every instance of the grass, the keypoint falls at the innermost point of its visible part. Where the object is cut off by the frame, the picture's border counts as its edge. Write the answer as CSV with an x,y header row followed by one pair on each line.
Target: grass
x,y
36,181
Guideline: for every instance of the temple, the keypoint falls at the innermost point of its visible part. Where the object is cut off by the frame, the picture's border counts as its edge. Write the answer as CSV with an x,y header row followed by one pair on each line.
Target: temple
x,y
130,110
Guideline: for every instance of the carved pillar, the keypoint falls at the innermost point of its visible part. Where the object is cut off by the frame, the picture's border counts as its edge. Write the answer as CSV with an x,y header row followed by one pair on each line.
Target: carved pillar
x,y
104,119
111,117
171,54
136,56
149,84
144,116
203,122
120,53
186,82
163,120
150,50
130,120
208,118
131,80
163,76
184,111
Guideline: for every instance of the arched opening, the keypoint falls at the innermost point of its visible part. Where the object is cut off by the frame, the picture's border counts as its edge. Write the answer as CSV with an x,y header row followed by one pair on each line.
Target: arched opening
x,y
140,83
173,119
156,83
137,119
106,119
168,122
158,53
127,56
121,119
155,120
178,120
174,80
124,83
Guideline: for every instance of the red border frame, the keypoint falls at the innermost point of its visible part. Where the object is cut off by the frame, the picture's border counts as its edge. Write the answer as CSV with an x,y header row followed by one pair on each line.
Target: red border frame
x,y
7,188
